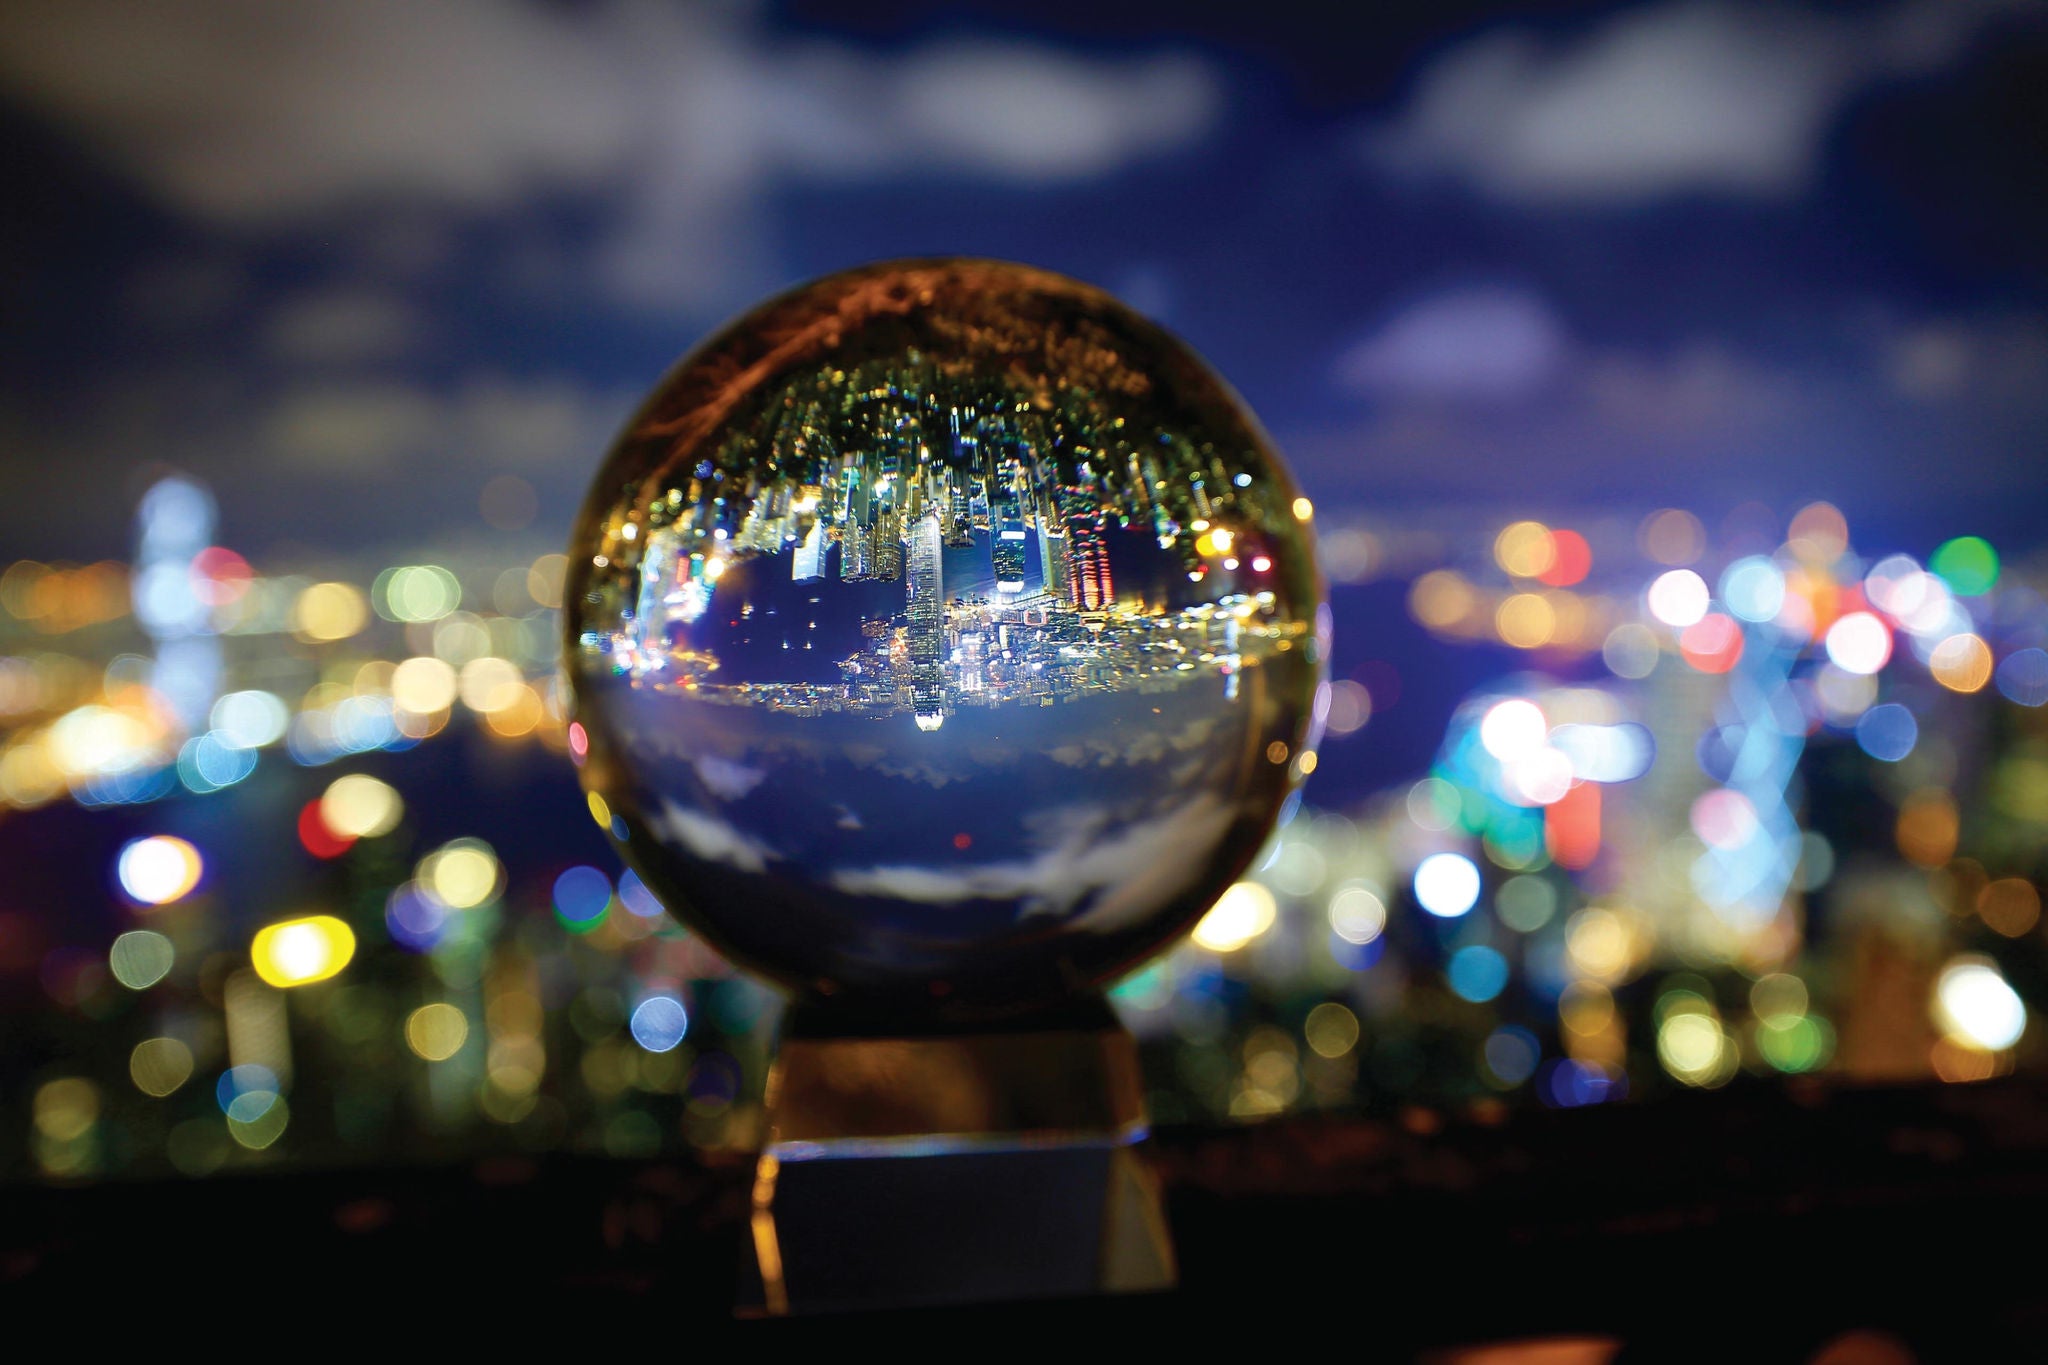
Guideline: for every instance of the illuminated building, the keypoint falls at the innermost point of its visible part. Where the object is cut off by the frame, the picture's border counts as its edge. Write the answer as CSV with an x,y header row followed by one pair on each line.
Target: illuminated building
x,y
807,565
927,622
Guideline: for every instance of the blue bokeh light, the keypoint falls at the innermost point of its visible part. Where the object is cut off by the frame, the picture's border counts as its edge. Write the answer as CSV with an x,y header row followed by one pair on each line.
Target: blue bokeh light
x,y
659,1023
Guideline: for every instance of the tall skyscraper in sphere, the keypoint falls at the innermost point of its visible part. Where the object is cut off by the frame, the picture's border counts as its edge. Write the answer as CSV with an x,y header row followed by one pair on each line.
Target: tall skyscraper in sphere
x,y
927,622
807,565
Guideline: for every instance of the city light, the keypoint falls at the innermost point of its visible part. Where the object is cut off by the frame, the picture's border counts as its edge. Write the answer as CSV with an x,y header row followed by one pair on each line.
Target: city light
x,y
1859,643
659,1023
1679,598
1447,884
358,806
1514,729
1974,1004
298,952
1241,914
436,1032
159,869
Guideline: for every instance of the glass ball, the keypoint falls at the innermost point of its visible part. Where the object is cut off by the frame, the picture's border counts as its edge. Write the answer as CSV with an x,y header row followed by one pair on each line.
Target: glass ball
x,y
944,638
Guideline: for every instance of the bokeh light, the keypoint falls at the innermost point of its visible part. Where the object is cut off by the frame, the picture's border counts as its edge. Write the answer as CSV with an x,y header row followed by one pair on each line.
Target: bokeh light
x,y
1961,663
1888,732
1859,643
659,1023
140,958
2023,677
1447,884
1241,914
1477,973
1357,915
160,1066
1754,588
1513,729
1330,1030
1975,1005
298,952
159,869
1679,598
358,806
436,1032
1967,564
461,874
582,895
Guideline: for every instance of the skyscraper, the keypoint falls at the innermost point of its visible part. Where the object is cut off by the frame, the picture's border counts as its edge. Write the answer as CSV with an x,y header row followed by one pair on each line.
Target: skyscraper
x,y
927,622
807,565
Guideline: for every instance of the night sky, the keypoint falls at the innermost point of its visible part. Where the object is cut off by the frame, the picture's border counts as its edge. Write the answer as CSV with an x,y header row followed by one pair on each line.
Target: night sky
x,y
350,261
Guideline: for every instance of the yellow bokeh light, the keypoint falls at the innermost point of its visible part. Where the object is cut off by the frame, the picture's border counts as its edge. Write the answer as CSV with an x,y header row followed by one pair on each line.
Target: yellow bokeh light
x,y
1525,620
1961,663
66,1109
1586,1007
436,1032
1777,998
1304,510
298,952
159,1066
544,579
1928,827
1441,599
1525,549
2010,905
1692,1046
600,811
489,683
517,712
358,806
1244,912
461,875
423,685
329,611
1601,944
1331,1030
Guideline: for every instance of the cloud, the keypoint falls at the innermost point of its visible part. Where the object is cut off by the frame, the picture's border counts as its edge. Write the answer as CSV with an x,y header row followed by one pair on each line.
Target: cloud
x,y
1696,96
726,780
343,326
265,118
1486,343
712,839
367,427
1128,870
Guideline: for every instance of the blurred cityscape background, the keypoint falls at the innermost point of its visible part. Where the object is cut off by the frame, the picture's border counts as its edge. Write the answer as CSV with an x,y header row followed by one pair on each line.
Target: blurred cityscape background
x,y
1670,382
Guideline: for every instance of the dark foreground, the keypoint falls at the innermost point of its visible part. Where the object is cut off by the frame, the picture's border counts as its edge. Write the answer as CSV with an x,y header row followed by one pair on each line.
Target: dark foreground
x,y
1747,1225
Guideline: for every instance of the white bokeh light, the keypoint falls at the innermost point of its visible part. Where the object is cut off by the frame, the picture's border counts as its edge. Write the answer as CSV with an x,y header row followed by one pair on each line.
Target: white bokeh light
x,y
1679,598
1447,884
1859,643
1514,729
1975,1005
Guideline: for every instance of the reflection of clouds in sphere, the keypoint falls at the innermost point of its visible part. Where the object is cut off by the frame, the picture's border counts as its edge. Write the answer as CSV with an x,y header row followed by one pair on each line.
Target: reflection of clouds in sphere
x,y
1446,884
942,631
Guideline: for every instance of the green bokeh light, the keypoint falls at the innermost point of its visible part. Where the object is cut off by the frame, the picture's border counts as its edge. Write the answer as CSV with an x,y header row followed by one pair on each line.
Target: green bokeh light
x,y
1968,564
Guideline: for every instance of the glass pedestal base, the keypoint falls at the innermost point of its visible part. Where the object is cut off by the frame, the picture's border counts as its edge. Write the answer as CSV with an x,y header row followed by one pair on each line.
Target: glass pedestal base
x,y
955,1168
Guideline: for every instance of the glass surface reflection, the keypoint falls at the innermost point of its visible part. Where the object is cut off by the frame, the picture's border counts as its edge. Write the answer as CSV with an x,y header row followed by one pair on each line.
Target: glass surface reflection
x,y
943,630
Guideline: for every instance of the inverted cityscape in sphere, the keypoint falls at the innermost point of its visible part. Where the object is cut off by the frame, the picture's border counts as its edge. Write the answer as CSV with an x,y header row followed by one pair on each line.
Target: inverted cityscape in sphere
x,y
942,631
